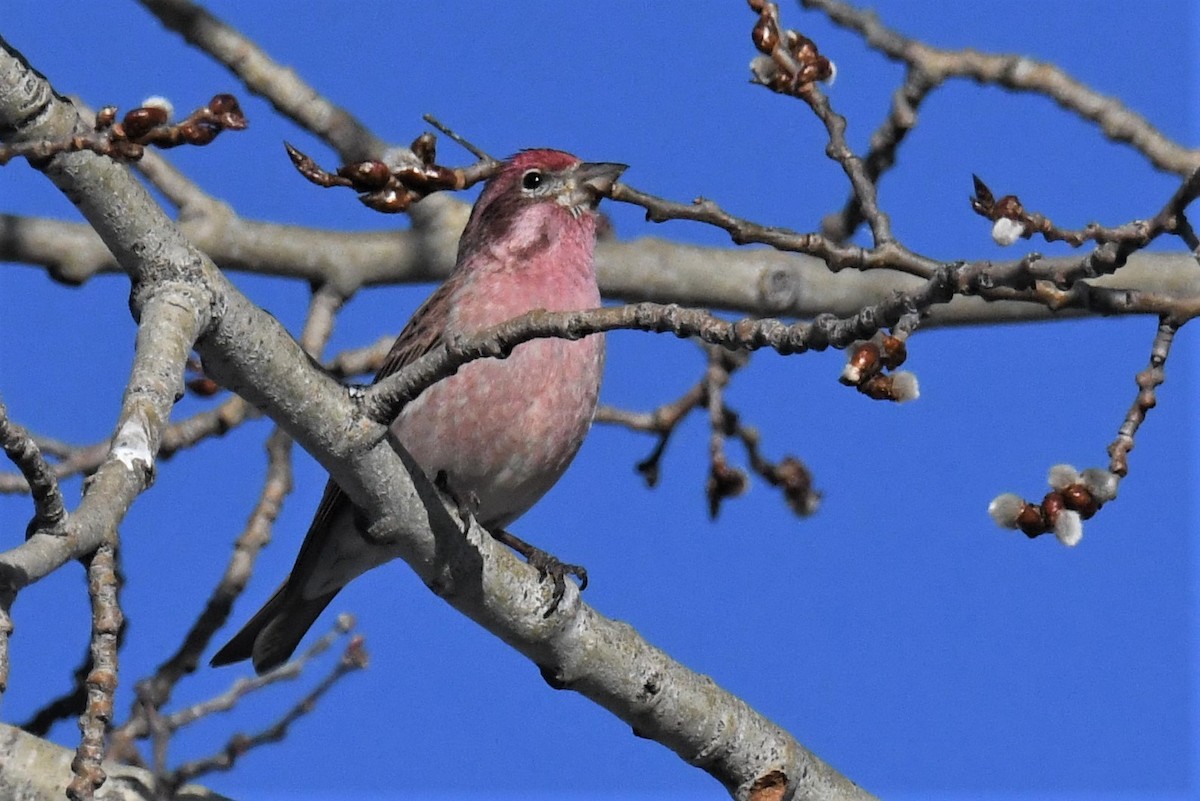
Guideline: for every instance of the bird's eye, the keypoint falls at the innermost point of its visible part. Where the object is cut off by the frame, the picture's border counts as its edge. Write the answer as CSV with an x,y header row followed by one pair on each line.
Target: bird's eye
x,y
531,179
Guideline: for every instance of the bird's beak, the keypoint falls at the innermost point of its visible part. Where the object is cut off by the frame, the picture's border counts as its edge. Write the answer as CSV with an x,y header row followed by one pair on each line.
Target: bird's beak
x,y
599,176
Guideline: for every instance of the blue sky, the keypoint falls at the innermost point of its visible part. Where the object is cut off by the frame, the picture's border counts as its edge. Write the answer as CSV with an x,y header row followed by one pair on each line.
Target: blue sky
x,y
898,633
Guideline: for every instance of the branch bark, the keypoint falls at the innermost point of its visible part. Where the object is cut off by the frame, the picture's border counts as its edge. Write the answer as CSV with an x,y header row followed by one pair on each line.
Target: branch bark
x,y
37,770
753,281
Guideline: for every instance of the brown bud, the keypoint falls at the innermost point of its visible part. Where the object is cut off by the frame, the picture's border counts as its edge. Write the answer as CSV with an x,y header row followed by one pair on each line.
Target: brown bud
x,y
105,117
140,121
203,386
102,679
878,387
224,104
723,482
1030,520
984,200
862,364
1052,506
124,150
894,351
764,35
757,5
389,201
199,133
796,481
1009,206
424,147
1076,497
228,112
367,175
355,655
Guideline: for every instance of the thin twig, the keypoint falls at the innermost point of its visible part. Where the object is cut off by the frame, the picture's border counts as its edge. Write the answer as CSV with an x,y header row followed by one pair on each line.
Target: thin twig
x,y
84,459
1148,381
102,680
278,84
884,145
1019,73
49,510
461,141
353,658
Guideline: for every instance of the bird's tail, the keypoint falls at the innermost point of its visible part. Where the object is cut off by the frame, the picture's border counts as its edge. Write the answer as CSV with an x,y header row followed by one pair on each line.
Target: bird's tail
x,y
271,636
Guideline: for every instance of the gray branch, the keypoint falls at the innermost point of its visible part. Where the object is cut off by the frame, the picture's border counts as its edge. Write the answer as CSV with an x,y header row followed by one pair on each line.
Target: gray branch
x,y
38,770
753,281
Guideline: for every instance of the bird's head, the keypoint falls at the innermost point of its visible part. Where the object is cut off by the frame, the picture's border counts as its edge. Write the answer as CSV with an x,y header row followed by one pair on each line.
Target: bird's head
x,y
537,176
538,193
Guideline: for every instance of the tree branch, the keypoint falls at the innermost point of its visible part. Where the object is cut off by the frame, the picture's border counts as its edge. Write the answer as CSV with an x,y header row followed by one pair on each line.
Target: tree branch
x,y
1019,73
45,770
281,86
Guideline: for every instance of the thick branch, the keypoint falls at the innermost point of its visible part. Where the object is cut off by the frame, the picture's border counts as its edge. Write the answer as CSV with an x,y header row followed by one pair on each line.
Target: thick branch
x,y
757,281
38,770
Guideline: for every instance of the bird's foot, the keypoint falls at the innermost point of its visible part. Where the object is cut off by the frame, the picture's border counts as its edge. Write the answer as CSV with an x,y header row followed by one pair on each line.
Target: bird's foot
x,y
467,504
547,565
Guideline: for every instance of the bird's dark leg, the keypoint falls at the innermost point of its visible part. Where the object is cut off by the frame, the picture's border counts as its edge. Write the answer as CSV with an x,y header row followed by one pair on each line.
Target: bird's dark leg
x,y
547,565
467,504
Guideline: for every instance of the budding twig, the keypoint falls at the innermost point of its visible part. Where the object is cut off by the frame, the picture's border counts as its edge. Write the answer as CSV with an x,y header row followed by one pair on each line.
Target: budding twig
x,y
885,142
393,188
149,721
1074,496
723,481
102,679
1012,221
743,232
383,401
146,125
792,64
281,85
867,361
1148,381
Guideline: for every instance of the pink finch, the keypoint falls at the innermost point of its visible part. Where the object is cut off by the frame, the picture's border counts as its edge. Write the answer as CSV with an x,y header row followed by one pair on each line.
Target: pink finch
x,y
500,432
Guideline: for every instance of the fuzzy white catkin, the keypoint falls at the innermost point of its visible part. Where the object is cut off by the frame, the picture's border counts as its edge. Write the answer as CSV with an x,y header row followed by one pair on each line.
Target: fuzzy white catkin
x,y
1005,508
1006,231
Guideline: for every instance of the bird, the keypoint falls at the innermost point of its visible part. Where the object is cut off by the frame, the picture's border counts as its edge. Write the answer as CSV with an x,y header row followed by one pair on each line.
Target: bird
x,y
499,432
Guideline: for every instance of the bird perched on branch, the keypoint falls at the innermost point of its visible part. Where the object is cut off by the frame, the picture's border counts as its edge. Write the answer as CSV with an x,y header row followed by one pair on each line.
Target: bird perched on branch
x,y
500,432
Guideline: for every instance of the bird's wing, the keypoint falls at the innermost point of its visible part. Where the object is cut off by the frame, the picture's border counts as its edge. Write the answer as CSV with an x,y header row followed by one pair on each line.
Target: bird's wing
x,y
422,334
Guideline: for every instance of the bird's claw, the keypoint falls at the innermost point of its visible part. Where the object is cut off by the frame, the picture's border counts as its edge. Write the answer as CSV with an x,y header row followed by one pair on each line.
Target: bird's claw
x,y
466,505
547,565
